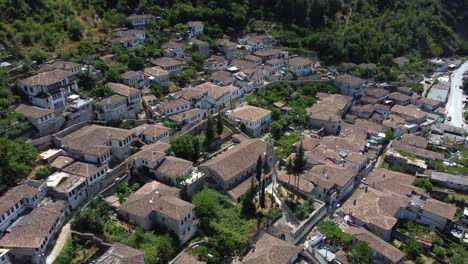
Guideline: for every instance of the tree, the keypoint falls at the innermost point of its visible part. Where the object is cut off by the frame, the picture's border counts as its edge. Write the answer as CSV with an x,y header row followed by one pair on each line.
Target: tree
x,y
262,194
219,124
299,161
43,172
16,160
248,206
388,136
386,60
88,220
361,253
424,183
136,63
112,75
86,81
183,147
197,61
413,248
258,169
209,131
276,129
196,149
76,30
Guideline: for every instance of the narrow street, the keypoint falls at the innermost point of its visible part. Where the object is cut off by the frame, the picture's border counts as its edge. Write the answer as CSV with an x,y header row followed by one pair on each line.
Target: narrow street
x,y
65,233
454,105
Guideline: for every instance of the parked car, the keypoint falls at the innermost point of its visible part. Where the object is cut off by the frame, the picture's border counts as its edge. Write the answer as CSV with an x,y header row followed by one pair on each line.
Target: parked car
x,y
449,118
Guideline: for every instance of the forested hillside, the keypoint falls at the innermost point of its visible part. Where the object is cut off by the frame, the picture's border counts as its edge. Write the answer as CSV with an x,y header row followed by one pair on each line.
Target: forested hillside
x,y
338,30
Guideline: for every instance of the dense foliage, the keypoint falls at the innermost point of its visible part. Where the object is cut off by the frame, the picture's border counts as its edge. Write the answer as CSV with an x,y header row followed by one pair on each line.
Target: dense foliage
x,y
222,220
16,160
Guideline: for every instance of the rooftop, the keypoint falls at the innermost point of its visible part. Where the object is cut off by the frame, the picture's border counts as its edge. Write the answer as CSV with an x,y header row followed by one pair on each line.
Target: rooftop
x,y
237,159
33,112
46,78
250,113
26,190
122,89
271,250
121,254
32,230
158,197
377,244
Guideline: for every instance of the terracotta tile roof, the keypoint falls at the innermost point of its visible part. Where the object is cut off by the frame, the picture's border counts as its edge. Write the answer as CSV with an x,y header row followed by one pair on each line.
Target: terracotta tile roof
x,y
329,107
172,167
26,190
172,45
377,244
33,112
122,254
349,79
61,65
156,130
155,71
122,89
33,229
93,139
399,97
236,160
46,78
213,90
221,76
243,64
156,197
187,115
83,169
194,23
61,162
143,16
131,74
112,100
396,182
413,140
299,61
376,92
408,111
67,182
375,207
158,146
266,52
216,59
431,102
250,113
419,152
241,188
190,93
173,104
329,176
271,250
225,43
252,58
165,62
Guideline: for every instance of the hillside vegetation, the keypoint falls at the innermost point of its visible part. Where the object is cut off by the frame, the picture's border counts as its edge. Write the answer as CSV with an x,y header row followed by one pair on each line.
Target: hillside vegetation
x,y
338,30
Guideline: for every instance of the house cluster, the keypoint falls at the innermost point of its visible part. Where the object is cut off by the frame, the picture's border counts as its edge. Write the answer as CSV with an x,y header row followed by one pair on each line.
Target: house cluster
x,y
334,164
386,197
53,98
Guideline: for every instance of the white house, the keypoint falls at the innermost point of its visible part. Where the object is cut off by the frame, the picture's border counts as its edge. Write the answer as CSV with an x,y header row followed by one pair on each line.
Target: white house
x,y
49,89
196,28
30,238
255,120
157,75
158,204
18,199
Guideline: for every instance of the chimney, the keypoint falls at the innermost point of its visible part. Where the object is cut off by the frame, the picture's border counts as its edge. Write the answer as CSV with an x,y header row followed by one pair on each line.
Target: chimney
x,y
354,202
365,189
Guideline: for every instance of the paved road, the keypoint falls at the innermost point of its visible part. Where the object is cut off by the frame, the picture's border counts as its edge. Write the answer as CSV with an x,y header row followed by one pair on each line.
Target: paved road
x,y
454,105
65,233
